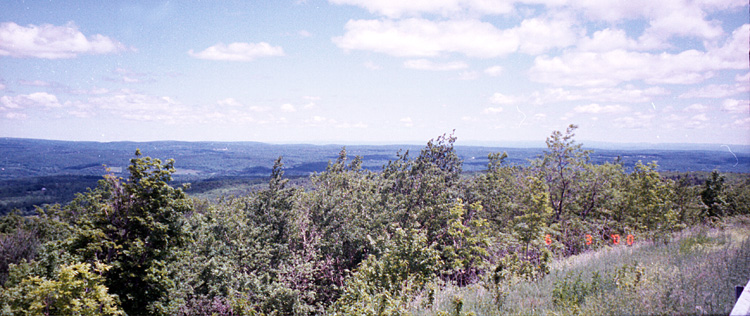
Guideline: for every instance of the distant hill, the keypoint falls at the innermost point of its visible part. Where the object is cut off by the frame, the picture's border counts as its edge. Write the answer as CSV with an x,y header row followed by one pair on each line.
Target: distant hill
x,y
21,158
34,172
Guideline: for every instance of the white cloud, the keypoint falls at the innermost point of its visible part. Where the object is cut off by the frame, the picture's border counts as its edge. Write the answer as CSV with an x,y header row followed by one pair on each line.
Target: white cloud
x,y
15,116
304,33
492,110
499,98
594,108
697,121
697,107
744,78
37,99
288,108
238,51
34,83
407,121
419,37
347,125
230,102
494,71
628,94
636,121
681,20
736,106
425,38
468,75
447,8
256,108
317,120
539,35
92,91
52,42
716,91
372,66
424,64
742,123
612,39
576,68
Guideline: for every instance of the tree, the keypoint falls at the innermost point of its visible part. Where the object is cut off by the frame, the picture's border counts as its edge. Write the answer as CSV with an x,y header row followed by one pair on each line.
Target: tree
x,y
647,204
385,285
562,165
77,289
712,196
134,226
466,244
497,190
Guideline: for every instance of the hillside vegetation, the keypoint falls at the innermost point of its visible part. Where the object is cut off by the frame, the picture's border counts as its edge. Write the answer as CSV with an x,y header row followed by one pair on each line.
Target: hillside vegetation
x,y
560,235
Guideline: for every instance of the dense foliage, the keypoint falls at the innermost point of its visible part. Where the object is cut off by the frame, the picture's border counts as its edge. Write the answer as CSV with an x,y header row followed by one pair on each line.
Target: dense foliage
x,y
355,242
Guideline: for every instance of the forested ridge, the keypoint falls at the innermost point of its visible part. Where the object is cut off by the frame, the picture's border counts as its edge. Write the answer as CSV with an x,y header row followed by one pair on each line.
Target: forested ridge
x,y
353,242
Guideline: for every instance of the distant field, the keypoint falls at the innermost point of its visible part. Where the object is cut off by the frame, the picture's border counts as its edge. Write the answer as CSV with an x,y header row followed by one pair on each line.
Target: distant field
x,y
34,172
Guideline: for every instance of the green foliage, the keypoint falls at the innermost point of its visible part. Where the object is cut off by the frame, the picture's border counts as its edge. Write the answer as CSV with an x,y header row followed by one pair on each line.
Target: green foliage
x,y
134,226
571,292
386,285
649,204
340,214
738,197
562,165
351,241
77,289
712,196
466,242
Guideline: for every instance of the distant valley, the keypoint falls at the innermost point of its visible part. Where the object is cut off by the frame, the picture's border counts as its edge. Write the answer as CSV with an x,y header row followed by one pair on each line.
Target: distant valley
x,y
45,171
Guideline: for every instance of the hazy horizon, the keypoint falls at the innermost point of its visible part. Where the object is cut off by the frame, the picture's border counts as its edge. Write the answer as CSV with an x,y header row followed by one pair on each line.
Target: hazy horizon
x,y
459,142
376,72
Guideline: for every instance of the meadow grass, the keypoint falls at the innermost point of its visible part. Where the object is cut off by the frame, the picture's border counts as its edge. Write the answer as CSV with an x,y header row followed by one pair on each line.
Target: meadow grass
x,y
694,274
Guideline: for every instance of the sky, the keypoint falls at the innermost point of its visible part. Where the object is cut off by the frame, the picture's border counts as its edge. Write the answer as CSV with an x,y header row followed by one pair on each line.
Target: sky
x,y
365,71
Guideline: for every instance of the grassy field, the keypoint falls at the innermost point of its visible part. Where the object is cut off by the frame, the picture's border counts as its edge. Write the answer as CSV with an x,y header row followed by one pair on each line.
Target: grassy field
x,y
694,274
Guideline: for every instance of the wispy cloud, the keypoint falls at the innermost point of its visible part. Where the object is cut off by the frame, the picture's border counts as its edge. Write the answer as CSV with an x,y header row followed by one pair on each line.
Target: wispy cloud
x,y
238,51
37,99
580,68
395,9
717,91
493,110
493,71
416,37
424,64
52,42
594,108
736,106
288,108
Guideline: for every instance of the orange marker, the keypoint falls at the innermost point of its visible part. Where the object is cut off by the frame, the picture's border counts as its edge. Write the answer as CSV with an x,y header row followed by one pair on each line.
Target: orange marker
x,y
615,239
588,239
547,240
630,240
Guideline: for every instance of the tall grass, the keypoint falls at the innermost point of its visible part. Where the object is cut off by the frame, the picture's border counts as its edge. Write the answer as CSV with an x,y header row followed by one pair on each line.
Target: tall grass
x,y
694,274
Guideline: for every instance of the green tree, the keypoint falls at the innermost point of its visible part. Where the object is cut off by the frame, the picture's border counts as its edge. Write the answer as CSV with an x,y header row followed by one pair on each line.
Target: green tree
x,y
466,244
648,204
562,165
77,289
136,227
385,285
342,212
712,196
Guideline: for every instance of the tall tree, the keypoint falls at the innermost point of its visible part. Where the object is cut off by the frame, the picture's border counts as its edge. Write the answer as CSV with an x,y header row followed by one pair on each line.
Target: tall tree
x,y
712,195
562,165
135,226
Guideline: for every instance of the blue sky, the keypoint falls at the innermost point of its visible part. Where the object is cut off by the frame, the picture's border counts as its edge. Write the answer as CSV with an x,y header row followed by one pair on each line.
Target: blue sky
x,y
389,71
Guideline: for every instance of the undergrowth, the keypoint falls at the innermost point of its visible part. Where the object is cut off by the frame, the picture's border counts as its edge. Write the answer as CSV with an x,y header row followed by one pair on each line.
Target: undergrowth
x,y
694,274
